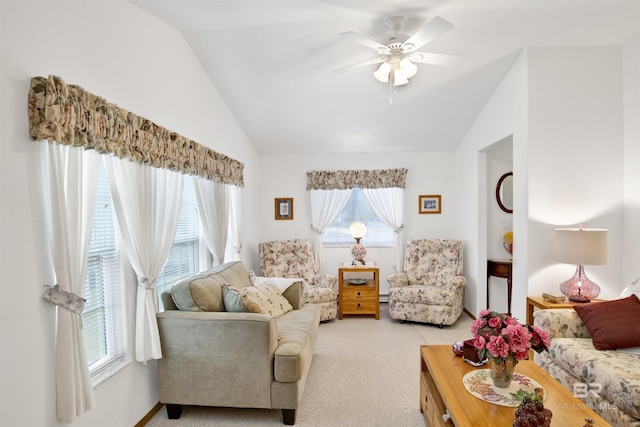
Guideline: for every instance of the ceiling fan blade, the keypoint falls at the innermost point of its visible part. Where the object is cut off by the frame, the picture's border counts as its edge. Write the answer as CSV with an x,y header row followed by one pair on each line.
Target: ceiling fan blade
x,y
443,59
365,41
434,28
361,64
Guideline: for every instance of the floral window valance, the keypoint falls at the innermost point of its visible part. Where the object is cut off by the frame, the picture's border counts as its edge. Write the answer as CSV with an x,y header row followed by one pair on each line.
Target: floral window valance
x,y
72,116
341,180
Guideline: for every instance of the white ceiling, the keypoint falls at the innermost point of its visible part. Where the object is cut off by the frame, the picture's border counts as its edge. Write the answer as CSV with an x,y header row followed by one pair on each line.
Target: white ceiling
x,y
272,63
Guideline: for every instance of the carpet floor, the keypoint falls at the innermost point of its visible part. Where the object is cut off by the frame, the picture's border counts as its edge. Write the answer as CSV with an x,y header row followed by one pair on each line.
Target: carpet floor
x,y
365,372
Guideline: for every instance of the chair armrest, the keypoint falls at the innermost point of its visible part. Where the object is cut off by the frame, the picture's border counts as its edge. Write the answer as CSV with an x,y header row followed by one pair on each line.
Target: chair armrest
x,y
205,354
325,281
458,282
561,323
293,294
397,280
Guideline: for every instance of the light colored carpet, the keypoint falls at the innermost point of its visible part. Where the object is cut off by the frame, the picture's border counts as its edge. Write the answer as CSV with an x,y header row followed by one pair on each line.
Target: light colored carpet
x,y
365,372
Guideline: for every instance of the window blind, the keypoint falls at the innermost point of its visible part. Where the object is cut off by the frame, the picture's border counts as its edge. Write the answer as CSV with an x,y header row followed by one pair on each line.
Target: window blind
x,y
102,317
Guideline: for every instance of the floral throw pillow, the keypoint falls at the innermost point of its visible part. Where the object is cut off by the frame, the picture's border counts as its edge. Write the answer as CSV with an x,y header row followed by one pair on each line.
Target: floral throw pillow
x,y
265,298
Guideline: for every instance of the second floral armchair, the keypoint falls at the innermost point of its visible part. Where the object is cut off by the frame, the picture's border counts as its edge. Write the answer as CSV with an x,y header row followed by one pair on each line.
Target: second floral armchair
x,y
431,287
294,259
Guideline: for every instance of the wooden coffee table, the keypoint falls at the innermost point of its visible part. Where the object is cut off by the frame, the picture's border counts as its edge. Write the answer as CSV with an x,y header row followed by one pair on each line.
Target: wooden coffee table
x,y
442,393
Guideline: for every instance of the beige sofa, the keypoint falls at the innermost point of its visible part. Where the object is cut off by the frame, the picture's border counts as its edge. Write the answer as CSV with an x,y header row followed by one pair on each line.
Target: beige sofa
x,y
607,381
213,357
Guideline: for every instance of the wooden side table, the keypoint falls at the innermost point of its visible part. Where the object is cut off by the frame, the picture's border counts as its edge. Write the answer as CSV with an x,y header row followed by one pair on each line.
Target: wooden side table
x,y
539,302
359,298
500,268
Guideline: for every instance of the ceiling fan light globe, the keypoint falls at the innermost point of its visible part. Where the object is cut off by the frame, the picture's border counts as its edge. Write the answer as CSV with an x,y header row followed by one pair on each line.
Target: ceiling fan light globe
x,y
399,78
382,73
408,68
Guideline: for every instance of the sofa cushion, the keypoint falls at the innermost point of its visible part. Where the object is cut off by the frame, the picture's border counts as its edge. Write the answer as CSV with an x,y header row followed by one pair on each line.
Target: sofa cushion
x,y
612,324
617,372
296,342
232,298
203,291
265,299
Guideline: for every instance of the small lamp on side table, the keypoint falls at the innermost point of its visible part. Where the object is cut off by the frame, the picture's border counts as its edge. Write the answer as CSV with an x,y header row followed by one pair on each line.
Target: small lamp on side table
x,y
581,246
358,250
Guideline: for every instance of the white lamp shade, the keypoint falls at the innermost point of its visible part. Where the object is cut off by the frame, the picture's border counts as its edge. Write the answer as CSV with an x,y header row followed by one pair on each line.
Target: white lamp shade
x,y
408,68
399,78
357,230
382,73
581,246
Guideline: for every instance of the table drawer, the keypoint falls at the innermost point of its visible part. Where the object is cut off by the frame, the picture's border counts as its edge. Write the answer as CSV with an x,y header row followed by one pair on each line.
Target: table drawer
x,y
363,306
435,405
362,292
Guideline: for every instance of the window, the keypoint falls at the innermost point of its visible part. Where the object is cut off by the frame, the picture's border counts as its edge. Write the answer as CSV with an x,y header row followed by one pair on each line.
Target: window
x,y
102,315
184,256
357,209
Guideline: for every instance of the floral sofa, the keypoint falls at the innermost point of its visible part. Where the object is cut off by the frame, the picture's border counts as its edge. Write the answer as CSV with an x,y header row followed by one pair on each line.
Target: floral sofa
x,y
610,379
430,289
294,259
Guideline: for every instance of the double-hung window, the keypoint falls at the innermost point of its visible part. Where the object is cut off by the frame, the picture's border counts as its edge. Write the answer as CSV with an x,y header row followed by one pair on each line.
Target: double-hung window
x,y
102,317
184,257
357,209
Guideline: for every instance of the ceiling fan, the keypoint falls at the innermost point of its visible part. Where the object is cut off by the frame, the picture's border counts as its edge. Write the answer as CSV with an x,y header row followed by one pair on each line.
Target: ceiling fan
x,y
398,56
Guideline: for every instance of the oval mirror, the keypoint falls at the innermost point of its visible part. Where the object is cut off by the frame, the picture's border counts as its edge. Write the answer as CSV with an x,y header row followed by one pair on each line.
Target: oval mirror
x,y
504,192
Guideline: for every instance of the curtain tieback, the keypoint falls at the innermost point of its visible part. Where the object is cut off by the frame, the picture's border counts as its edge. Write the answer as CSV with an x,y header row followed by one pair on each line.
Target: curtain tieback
x,y
146,283
399,229
67,300
237,248
315,230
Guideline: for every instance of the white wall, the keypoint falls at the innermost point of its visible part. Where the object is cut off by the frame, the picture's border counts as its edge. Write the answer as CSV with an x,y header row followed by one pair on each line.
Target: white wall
x,y
428,173
631,190
575,157
574,162
117,51
502,119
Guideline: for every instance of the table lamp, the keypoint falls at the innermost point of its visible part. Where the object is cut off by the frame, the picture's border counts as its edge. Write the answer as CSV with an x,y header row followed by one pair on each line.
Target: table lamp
x,y
581,246
358,250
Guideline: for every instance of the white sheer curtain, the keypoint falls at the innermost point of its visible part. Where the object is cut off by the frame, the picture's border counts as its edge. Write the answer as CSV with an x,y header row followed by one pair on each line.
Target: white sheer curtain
x,y
235,198
147,203
325,206
213,206
70,182
387,204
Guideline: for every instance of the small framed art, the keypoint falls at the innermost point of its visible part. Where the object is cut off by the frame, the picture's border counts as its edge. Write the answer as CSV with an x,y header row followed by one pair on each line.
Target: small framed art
x,y
430,204
284,208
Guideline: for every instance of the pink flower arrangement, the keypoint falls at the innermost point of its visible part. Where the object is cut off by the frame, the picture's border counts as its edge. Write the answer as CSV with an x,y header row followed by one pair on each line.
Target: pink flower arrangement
x,y
501,337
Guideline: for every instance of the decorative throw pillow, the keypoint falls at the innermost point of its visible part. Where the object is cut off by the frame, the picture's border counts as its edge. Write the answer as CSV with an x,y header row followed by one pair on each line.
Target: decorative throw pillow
x,y
232,298
266,299
612,324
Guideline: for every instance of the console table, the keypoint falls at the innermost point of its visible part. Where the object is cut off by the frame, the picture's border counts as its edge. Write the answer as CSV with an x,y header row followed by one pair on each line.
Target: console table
x,y
500,268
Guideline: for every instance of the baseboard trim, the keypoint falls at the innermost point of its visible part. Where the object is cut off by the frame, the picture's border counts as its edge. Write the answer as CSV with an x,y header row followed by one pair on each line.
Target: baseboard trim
x,y
469,313
149,415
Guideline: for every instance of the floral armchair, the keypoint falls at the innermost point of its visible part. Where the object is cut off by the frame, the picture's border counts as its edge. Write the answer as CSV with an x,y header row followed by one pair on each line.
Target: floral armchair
x,y
294,259
431,287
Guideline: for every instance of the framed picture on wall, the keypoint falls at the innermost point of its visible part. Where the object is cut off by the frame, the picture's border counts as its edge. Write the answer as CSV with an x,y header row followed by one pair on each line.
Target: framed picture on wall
x,y
284,208
430,204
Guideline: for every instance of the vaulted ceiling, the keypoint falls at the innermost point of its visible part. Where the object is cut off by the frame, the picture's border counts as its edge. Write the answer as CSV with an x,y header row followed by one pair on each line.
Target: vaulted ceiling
x,y
272,63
